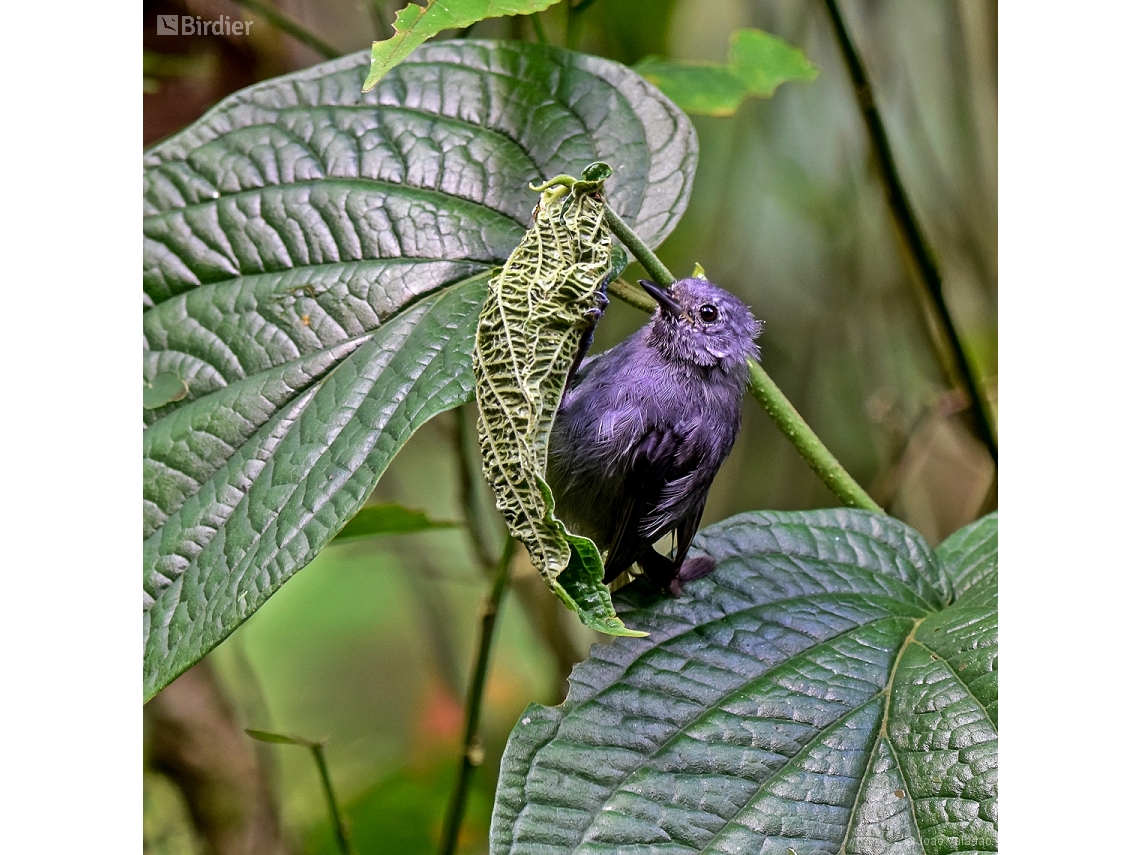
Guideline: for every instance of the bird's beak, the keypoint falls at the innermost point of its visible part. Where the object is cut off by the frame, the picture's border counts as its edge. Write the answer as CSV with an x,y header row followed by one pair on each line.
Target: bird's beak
x,y
662,296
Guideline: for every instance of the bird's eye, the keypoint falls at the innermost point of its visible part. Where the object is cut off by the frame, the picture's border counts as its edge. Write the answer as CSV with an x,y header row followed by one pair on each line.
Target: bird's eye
x,y
709,313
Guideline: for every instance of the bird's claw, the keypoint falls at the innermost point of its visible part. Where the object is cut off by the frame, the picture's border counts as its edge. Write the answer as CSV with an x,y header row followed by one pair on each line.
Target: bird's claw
x,y
694,568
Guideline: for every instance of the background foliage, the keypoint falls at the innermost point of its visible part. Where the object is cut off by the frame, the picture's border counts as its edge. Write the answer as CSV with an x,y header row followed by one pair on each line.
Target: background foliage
x,y
369,645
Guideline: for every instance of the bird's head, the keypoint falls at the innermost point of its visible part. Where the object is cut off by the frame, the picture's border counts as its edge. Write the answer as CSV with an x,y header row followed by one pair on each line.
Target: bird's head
x,y
698,323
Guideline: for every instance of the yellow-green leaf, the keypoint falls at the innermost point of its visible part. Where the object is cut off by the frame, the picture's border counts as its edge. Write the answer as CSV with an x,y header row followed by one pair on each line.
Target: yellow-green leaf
x,y
416,24
758,62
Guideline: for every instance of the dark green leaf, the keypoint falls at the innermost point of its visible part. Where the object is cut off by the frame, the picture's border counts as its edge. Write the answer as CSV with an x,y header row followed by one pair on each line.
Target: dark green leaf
x,y
758,62
416,23
314,263
818,693
388,519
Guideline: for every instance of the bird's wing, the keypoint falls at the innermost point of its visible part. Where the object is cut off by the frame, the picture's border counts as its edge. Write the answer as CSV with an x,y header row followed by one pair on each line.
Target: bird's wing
x,y
654,467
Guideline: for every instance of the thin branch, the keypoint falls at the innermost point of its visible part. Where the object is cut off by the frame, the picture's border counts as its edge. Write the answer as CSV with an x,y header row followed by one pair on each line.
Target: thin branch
x,y
574,12
288,25
955,364
652,264
469,478
472,756
339,826
317,749
539,32
760,385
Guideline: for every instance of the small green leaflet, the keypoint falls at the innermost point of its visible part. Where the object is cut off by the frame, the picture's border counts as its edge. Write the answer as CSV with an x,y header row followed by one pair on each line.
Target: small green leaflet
x,y
415,24
165,388
388,519
527,335
758,62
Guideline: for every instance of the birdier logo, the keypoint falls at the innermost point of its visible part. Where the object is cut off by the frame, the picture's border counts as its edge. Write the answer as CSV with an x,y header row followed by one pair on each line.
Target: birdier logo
x,y
193,25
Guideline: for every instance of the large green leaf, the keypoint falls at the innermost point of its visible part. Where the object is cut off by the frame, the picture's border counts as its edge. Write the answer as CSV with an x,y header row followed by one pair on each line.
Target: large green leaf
x,y
314,263
822,691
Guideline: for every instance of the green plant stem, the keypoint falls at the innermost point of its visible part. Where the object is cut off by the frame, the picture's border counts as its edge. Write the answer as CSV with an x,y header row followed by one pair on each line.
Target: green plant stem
x,y
339,827
955,365
288,25
760,385
652,264
574,14
469,477
810,446
472,756
539,32
632,295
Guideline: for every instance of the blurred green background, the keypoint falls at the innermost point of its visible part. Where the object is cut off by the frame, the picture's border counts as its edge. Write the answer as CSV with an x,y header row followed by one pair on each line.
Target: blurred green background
x,y
370,646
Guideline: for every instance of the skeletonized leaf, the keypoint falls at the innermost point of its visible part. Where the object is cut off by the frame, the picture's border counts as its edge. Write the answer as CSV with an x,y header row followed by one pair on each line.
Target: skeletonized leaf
x,y
821,691
529,330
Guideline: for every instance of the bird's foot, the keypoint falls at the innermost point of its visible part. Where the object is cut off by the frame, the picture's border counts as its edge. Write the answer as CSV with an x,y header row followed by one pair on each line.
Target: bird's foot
x,y
696,567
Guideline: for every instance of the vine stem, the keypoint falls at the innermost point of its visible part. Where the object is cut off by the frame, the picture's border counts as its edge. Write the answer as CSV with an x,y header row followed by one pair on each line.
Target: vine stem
x,y
288,25
339,827
955,364
472,756
760,385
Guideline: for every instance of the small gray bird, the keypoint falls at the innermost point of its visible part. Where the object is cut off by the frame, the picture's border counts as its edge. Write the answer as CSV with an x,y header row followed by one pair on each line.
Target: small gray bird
x,y
643,428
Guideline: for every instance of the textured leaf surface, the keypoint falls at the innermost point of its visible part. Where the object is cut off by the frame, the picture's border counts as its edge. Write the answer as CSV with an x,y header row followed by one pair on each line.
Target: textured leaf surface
x,y
314,263
416,23
758,62
820,692
537,311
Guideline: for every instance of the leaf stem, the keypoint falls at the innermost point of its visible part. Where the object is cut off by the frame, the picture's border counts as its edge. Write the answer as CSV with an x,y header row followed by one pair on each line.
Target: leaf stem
x,y
574,14
339,827
317,749
539,31
760,385
472,755
955,365
288,25
652,264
